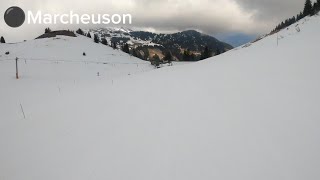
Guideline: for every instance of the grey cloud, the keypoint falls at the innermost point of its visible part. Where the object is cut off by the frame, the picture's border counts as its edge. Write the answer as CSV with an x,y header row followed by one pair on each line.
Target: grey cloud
x,y
273,9
209,16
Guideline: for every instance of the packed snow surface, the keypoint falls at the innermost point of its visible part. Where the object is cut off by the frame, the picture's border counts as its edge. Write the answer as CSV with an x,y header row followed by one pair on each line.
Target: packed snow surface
x,y
249,114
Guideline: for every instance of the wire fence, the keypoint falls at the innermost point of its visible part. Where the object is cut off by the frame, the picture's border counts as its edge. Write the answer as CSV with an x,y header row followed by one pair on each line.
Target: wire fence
x,y
71,61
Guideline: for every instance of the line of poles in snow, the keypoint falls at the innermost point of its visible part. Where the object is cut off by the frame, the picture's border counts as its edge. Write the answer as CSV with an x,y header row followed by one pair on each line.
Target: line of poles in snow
x,y
87,62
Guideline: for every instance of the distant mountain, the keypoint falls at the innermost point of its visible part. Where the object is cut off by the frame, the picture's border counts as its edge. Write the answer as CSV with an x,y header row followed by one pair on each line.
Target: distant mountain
x,y
154,43
236,39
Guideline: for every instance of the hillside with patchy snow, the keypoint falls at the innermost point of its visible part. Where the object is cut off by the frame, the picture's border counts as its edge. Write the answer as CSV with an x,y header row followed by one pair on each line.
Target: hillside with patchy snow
x,y
251,113
147,44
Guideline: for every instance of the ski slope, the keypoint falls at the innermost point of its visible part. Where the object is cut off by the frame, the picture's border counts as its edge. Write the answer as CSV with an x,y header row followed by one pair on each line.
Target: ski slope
x,y
251,113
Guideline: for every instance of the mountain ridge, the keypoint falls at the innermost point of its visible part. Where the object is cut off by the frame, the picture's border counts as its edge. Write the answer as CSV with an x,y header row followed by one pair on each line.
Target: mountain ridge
x,y
160,43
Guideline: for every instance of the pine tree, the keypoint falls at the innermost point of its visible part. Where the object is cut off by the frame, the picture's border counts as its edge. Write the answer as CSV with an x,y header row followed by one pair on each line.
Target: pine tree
x,y
114,45
307,8
96,38
218,52
317,7
136,53
146,53
125,48
193,57
47,30
104,41
186,55
2,40
168,57
79,31
89,35
299,16
206,53
156,61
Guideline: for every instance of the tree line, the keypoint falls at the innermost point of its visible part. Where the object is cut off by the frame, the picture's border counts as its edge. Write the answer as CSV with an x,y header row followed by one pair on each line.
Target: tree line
x,y
142,52
309,10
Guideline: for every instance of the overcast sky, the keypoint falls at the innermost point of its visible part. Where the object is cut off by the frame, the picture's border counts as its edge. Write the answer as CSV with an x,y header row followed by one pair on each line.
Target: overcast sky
x,y
253,17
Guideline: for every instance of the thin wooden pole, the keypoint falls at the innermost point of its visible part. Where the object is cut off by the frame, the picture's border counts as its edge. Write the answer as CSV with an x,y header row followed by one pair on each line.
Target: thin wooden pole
x,y
24,116
17,73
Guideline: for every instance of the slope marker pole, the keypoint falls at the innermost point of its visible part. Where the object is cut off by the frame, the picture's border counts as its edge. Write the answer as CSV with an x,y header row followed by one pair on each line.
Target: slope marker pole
x,y
24,116
17,73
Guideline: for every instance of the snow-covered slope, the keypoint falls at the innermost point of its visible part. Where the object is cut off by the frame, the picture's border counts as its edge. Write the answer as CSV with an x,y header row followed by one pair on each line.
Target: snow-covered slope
x,y
67,58
251,113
